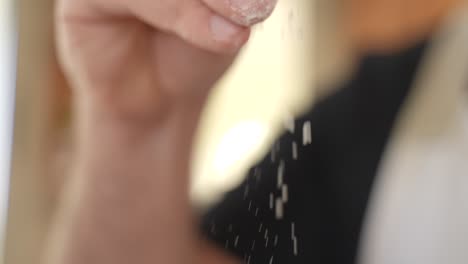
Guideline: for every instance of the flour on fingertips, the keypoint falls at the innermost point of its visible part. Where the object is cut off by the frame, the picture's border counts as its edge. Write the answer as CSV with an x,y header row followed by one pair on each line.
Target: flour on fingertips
x,y
252,11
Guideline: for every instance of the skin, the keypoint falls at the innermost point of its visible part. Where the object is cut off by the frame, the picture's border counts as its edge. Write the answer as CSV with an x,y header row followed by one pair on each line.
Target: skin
x,y
138,99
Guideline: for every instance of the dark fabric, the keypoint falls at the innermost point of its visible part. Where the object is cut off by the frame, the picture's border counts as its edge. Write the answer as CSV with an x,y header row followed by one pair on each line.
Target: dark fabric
x,y
330,181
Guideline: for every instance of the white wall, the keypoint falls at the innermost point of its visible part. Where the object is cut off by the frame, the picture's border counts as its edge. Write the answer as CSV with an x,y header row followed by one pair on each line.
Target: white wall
x,y
7,85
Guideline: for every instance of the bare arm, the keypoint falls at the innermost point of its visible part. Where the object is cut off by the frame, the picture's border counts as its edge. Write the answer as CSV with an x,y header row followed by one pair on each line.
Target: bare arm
x,y
141,71
131,195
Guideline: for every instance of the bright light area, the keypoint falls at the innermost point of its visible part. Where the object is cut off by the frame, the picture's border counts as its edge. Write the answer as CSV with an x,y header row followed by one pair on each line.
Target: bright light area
x,y
236,145
7,81
225,165
271,78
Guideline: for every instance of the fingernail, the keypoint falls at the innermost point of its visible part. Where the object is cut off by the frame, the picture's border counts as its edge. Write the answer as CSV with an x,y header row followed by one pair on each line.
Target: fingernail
x,y
252,11
223,30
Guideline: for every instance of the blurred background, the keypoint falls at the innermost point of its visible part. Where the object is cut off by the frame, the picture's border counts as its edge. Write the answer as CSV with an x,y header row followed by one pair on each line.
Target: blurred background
x,y
7,88
278,75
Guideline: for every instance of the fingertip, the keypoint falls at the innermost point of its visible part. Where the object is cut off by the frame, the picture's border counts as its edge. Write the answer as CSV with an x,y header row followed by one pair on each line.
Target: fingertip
x,y
231,37
250,12
223,30
209,30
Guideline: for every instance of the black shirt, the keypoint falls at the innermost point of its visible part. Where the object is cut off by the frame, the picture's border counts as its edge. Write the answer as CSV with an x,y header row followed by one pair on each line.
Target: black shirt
x,y
305,201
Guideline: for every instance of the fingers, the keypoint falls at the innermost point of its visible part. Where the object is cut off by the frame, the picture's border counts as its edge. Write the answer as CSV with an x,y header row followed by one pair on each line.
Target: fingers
x,y
220,26
243,12
192,21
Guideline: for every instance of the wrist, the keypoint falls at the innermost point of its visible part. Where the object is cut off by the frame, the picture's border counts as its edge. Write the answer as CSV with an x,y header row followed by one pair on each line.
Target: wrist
x,y
104,134
95,115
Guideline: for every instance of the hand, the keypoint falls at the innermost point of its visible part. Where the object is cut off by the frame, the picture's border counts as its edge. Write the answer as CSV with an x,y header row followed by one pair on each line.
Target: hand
x,y
141,58
132,62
